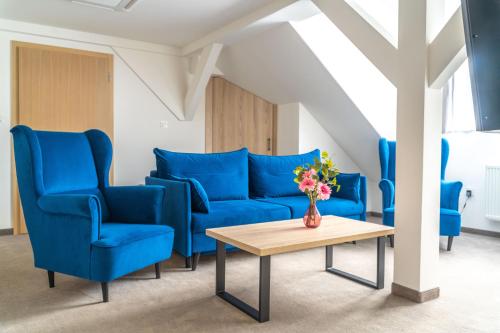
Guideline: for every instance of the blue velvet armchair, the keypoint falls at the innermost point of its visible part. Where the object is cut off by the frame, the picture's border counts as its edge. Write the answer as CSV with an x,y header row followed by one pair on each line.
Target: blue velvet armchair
x,y
450,220
78,224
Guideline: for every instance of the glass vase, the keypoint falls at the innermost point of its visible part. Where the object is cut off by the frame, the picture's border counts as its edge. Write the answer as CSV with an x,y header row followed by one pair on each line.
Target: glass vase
x,y
312,217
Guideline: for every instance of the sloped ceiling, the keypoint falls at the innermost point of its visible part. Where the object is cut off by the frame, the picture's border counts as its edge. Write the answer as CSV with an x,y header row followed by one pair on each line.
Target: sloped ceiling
x,y
171,22
280,67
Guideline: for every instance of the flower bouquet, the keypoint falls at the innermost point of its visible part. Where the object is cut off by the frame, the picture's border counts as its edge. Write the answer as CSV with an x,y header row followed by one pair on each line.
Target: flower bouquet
x,y
317,181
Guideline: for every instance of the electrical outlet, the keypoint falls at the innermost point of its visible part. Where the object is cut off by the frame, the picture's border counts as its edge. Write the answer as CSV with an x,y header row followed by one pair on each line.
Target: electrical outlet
x,y
468,193
163,124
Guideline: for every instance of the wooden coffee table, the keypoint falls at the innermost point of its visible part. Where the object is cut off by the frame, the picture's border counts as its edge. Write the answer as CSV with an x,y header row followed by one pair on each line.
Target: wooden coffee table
x,y
266,239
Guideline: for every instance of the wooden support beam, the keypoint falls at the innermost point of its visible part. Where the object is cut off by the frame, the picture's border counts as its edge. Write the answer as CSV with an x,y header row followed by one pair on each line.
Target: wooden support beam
x,y
363,35
447,51
204,69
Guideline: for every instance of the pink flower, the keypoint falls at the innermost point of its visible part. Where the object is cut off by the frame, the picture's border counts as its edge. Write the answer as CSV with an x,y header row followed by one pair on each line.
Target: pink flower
x,y
324,191
309,173
307,184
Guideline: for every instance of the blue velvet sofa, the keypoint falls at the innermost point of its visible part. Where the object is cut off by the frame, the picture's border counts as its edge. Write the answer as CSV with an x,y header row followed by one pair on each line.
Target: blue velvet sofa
x,y
450,219
78,224
241,188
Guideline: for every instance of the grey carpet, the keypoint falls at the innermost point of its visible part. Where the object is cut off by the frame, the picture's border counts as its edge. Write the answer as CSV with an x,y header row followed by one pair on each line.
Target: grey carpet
x,y
304,298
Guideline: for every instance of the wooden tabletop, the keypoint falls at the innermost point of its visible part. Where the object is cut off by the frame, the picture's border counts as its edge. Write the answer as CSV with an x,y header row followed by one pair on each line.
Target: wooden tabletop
x,y
263,239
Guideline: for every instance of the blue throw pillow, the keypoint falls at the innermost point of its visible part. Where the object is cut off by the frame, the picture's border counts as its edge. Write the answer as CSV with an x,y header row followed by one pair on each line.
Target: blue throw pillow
x,y
272,176
224,176
349,186
199,198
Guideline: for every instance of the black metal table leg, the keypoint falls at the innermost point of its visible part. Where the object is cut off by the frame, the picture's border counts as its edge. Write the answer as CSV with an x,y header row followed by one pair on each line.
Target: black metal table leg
x,y
264,288
380,262
329,257
220,268
379,284
262,314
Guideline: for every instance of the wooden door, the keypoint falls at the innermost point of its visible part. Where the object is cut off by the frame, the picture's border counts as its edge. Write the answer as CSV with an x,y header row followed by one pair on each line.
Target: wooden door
x,y
236,118
59,89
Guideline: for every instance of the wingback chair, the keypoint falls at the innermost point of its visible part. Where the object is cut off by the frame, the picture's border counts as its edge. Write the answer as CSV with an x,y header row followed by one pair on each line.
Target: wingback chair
x,y
450,220
78,224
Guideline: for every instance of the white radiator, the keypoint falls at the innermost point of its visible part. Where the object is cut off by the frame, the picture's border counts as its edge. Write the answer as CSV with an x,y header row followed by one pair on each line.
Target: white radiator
x,y
493,193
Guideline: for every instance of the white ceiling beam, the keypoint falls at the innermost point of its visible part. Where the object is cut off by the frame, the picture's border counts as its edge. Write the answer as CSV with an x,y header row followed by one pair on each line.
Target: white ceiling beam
x,y
39,30
363,35
204,69
447,51
218,35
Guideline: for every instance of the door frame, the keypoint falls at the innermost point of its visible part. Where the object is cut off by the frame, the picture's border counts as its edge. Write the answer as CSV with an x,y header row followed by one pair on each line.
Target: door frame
x,y
16,210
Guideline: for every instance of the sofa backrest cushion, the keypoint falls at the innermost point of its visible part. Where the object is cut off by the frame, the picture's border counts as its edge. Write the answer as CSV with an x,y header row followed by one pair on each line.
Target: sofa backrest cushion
x,y
224,176
350,184
272,176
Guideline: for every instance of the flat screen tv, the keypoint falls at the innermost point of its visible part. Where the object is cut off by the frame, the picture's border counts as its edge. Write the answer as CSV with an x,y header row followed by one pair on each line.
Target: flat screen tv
x,y
482,36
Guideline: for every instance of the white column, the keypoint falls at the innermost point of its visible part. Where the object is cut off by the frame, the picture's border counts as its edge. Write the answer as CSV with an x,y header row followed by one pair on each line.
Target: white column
x,y
418,154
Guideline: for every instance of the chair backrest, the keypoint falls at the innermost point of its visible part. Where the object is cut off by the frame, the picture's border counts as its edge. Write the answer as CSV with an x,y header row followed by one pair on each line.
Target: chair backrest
x,y
60,162
387,154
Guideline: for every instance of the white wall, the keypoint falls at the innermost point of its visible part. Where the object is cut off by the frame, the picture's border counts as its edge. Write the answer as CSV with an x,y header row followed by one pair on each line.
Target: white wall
x,y
288,129
312,135
470,153
299,132
137,111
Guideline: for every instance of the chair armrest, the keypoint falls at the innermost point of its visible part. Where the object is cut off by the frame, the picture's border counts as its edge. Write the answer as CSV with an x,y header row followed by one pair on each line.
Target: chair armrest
x,y
362,195
450,194
387,188
136,204
83,205
177,212
66,226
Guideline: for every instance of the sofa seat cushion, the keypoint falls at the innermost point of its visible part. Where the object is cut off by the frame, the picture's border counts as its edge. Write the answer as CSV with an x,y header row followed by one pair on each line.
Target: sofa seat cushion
x,y
119,234
125,248
335,206
237,212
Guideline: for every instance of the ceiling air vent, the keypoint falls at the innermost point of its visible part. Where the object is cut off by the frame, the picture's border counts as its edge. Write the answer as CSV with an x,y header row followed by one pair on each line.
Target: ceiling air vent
x,y
114,5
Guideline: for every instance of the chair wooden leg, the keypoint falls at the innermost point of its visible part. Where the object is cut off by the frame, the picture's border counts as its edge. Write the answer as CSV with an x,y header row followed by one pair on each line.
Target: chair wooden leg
x,y
450,242
189,262
391,240
195,260
157,270
105,294
51,279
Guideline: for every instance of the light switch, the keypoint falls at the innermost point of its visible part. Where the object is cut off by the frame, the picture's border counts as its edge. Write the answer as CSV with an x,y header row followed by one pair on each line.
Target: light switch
x,y
163,124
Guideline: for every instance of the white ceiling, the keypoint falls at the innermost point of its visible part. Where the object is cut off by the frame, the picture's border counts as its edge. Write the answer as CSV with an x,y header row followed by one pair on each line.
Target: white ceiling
x,y
171,22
